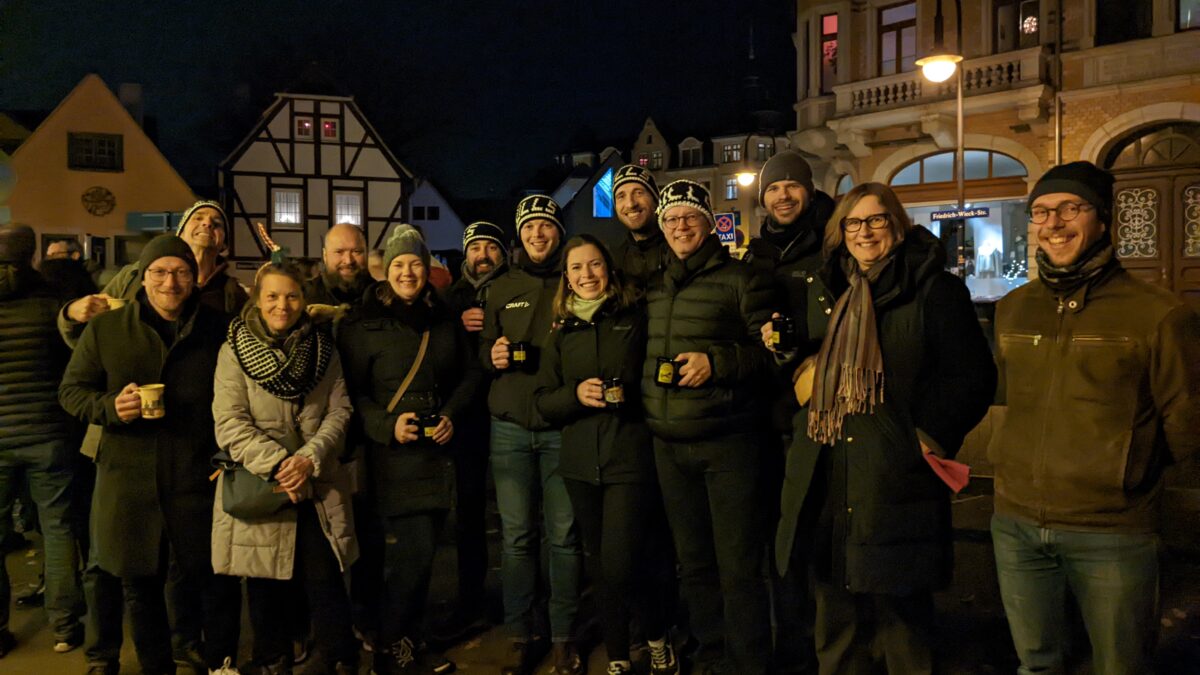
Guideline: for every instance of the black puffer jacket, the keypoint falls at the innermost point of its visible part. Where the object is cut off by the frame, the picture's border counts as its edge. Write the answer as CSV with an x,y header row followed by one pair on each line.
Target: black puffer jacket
x,y
32,361
795,266
641,260
882,515
714,304
519,307
378,344
599,445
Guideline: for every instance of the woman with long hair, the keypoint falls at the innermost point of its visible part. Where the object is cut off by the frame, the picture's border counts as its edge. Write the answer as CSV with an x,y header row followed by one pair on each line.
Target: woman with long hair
x,y
589,383
904,370
412,375
281,410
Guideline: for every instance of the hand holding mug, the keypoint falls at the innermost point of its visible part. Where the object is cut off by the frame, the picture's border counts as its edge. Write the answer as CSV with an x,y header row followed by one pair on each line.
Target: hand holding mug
x,y
767,330
590,392
500,356
405,430
129,403
444,431
88,307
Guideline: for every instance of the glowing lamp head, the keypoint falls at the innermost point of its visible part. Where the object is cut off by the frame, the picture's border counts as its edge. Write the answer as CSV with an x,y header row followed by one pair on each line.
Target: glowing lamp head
x,y
939,67
746,178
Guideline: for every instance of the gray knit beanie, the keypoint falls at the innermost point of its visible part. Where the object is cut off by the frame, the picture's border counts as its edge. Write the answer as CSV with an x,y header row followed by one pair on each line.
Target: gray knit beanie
x,y
787,165
405,239
202,204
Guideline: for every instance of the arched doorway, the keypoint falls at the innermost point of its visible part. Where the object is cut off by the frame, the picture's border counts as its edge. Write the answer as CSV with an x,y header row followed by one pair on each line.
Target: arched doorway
x,y
1156,205
991,248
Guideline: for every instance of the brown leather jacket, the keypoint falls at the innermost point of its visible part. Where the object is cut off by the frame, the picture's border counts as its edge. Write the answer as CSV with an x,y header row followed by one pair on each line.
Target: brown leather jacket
x,y
1103,392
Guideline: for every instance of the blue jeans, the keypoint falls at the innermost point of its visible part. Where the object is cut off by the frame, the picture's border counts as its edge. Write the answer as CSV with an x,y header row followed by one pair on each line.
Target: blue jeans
x,y
525,468
47,467
1114,578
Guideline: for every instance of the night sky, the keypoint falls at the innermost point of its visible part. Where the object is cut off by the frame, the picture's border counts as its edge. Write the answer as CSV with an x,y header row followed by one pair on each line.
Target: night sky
x,y
476,95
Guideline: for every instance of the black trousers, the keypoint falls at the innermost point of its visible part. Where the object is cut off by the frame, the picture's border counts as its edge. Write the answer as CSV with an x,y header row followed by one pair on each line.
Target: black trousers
x,y
318,578
617,522
470,469
409,542
853,629
718,510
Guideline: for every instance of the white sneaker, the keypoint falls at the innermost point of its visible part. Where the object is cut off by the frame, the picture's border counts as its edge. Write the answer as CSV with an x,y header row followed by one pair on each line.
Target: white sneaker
x,y
226,668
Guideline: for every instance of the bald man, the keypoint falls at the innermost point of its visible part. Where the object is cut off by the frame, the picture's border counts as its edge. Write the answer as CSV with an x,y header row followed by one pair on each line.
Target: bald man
x,y
345,277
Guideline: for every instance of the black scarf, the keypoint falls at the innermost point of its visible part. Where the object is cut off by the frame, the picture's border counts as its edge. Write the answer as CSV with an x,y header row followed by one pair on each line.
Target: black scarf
x,y
679,271
290,376
546,268
1094,261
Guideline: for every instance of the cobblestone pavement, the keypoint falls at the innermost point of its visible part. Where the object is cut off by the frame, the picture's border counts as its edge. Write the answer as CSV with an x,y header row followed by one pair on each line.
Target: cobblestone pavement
x,y
974,635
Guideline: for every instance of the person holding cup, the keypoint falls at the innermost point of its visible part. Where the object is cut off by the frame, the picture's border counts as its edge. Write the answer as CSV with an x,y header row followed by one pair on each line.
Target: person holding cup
x,y
281,410
152,493
407,357
702,390
589,383
525,447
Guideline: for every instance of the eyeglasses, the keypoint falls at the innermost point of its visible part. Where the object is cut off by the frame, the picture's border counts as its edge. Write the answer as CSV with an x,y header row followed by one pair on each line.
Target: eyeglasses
x,y
876,221
1066,212
158,274
691,219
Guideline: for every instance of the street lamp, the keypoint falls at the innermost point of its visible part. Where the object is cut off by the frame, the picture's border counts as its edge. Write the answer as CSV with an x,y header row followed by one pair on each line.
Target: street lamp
x,y
940,66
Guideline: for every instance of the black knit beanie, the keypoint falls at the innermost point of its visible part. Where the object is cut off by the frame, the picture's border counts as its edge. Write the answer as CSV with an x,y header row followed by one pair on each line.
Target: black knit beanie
x,y
539,206
632,173
1091,183
481,229
168,246
787,165
17,244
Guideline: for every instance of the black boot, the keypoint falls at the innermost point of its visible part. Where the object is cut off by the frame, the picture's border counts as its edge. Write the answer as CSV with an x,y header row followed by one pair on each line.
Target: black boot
x,y
525,657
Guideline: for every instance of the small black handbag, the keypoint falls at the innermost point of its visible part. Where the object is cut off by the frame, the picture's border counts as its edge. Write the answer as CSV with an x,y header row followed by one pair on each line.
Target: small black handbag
x,y
246,496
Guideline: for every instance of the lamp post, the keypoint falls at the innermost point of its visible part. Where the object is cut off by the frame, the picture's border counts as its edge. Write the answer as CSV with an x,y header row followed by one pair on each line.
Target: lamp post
x,y
940,66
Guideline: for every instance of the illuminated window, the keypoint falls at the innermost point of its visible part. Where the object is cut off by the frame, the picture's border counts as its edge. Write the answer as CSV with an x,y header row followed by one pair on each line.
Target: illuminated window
x,y
763,151
1015,24
287,213
829,52
1189,14
347,207
844,185
329,130
656,160
643,159
731,188
602,195
897,38
304,128
939,168
731,152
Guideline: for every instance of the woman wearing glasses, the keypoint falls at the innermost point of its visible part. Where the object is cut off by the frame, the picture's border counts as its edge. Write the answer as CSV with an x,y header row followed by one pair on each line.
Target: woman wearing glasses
x,y
904,370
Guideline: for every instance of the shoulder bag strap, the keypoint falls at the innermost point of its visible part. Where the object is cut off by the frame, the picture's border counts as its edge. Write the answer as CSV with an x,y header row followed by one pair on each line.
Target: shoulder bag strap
x,y
412,372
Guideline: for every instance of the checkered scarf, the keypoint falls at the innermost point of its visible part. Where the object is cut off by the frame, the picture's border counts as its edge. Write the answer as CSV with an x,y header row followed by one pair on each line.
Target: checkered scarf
x,y
289,370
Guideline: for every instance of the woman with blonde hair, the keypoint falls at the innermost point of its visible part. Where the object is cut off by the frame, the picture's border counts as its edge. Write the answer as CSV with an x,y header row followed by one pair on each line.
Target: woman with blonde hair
x,y
281,411
904,370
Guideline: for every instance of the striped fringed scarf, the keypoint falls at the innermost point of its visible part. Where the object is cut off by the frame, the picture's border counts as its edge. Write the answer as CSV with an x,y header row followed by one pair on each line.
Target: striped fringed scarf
x,y
849,369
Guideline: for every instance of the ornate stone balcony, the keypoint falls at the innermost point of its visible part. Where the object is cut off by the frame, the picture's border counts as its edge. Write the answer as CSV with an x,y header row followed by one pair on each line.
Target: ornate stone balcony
x,y
1001,72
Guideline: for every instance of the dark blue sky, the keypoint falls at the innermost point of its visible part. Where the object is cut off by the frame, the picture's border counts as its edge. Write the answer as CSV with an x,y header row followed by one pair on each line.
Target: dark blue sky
x,y
476,95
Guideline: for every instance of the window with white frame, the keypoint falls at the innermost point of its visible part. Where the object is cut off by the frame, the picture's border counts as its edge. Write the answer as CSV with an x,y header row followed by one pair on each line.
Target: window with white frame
x,y
347,207
731,152
763,151
330,130
731,188
286,213
304,128
643,159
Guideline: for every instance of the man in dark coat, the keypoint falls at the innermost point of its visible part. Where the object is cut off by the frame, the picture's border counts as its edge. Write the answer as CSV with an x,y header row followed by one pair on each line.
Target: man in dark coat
x,y
1101,375
704,404
788,249
152,510
643,252
38,438
345,276
484,252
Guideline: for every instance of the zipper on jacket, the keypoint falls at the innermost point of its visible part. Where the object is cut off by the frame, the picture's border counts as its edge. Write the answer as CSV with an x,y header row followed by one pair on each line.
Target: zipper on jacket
x,y
667,346
1031,337
596,339
1100,338
1041,448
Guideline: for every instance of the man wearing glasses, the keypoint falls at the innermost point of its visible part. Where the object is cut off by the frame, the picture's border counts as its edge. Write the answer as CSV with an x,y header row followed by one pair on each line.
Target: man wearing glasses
x,y
1101,376
705,404
153,502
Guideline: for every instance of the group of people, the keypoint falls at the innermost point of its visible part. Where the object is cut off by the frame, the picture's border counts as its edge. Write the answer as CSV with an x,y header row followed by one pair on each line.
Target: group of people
x,y
722,445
